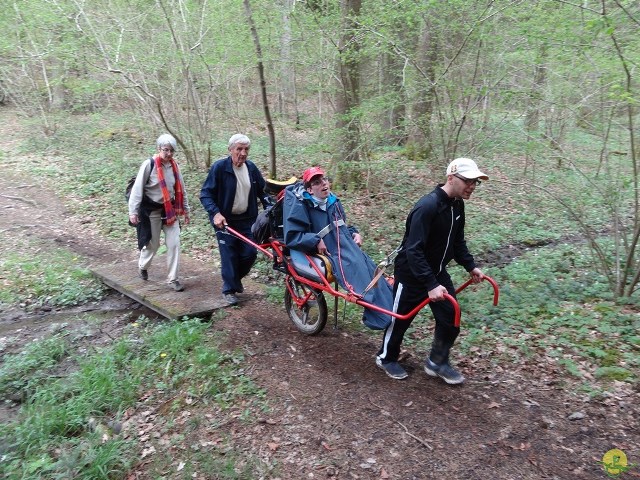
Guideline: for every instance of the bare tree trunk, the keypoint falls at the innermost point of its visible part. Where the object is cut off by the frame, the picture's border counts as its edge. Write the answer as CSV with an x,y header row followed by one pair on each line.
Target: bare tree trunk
x,y
532,115
263,89
58,93
288,98
393,120
419,141
349,96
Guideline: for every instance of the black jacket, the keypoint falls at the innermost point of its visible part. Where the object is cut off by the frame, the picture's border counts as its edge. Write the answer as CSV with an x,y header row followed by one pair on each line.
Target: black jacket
x,y
143,228
434,234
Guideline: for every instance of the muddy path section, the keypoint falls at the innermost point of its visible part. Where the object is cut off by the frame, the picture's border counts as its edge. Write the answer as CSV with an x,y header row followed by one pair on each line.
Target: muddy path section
x,y
336,414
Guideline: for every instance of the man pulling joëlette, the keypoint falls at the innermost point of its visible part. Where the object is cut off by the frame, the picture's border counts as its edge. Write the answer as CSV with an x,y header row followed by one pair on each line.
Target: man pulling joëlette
x,y
434,235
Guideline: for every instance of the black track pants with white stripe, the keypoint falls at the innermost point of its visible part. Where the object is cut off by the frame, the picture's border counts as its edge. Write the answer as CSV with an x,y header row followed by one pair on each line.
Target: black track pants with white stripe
x,y
405,298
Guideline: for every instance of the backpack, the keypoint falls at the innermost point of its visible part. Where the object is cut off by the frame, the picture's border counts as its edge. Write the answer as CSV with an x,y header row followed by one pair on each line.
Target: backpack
x,y
132,180
276,220
261,228
270,221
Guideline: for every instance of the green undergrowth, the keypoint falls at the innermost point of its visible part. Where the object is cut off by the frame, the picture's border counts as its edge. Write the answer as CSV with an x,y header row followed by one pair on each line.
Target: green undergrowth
x,y
72,399
23,373
553,305
28,281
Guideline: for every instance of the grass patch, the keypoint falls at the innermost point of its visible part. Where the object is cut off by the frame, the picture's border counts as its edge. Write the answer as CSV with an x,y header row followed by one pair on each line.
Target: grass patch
x,y
25,372
56,436
30,282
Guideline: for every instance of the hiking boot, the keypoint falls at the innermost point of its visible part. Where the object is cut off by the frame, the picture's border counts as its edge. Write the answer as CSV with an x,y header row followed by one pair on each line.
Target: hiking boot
x,y
231,298
176,285
444,371
393,369
143,274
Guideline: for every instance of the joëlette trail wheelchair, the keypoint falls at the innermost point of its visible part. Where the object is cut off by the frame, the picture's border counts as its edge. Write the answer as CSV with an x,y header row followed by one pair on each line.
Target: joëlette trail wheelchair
x,y
308,278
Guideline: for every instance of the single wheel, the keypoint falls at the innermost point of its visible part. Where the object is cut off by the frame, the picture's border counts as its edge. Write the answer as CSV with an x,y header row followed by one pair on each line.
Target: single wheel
x,y
311,317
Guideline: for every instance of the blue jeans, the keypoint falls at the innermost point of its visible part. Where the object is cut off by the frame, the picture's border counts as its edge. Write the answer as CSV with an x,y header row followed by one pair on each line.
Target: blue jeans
x,y
236,256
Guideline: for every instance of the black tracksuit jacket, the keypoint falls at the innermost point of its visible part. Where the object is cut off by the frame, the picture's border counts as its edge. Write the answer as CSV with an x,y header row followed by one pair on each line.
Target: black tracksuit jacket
x,y
434,235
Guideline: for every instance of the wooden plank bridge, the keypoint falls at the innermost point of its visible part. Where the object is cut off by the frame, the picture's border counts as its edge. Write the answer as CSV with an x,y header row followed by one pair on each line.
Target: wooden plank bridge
x,y
200,298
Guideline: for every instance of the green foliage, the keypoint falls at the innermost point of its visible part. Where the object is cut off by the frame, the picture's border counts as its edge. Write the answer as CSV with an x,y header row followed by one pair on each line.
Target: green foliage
x,y
56,418
275,294
59,282
551,301
177,355
210,373
614,373
56,435
29,369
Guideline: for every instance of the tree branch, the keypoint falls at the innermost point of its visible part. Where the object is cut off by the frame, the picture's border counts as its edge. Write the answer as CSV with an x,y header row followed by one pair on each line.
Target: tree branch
x,y
26,200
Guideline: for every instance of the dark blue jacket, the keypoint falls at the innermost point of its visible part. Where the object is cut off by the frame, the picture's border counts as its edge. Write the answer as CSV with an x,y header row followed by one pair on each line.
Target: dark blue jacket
x,y
219,190
352,267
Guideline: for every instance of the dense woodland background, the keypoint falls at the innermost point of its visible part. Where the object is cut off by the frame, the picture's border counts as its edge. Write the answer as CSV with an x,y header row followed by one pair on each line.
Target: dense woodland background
x,y
541,91
384,93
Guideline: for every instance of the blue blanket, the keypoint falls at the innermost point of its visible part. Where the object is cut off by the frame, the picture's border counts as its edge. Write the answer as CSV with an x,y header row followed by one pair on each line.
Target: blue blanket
x,y
353,268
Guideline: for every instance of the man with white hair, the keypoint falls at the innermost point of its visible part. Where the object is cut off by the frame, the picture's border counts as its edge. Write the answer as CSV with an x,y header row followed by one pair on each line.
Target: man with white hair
x,y
434,235
158,198
230,196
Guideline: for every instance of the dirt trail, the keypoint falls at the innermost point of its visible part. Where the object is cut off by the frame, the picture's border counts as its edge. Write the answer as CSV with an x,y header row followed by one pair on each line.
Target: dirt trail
x,y
334,414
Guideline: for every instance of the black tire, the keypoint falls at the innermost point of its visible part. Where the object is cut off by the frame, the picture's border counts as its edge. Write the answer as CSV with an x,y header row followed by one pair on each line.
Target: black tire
x,y
311,318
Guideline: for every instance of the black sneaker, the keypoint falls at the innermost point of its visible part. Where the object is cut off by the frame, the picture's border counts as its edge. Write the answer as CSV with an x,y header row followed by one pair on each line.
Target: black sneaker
x,y
176,285
393,369
143,274
231,298
444,371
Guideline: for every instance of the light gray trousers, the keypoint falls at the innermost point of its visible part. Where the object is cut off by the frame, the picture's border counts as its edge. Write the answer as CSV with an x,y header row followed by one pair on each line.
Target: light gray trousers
x,y
171,240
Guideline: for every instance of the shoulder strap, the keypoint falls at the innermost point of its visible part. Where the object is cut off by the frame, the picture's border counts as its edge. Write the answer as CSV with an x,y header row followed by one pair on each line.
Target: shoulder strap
x,y
152,164
332,226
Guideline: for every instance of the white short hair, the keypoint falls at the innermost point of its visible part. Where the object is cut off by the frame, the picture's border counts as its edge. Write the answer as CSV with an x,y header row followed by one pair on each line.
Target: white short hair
x,y
239,138
166,139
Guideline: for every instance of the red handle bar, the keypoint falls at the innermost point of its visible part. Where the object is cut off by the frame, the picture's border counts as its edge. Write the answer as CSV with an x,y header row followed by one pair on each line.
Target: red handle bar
x,y
247,240
496,292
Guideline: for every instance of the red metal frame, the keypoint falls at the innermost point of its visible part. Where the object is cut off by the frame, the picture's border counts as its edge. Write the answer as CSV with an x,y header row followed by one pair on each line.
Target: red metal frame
x,y
496,291
325,286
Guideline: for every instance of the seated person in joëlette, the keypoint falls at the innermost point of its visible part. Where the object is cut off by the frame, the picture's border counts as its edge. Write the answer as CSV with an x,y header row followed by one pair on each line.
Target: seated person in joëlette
x,y
315,222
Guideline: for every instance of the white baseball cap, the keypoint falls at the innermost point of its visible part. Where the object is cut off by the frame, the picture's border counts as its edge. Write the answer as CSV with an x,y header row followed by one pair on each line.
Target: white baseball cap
x,y
467,168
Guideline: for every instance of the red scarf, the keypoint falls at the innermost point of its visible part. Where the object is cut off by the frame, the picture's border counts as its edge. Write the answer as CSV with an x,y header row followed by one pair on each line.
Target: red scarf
x,y
171,210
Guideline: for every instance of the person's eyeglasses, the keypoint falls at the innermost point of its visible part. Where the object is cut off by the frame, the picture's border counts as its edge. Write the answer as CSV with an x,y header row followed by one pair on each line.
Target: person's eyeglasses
x,y
318,181
168,150
469,181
